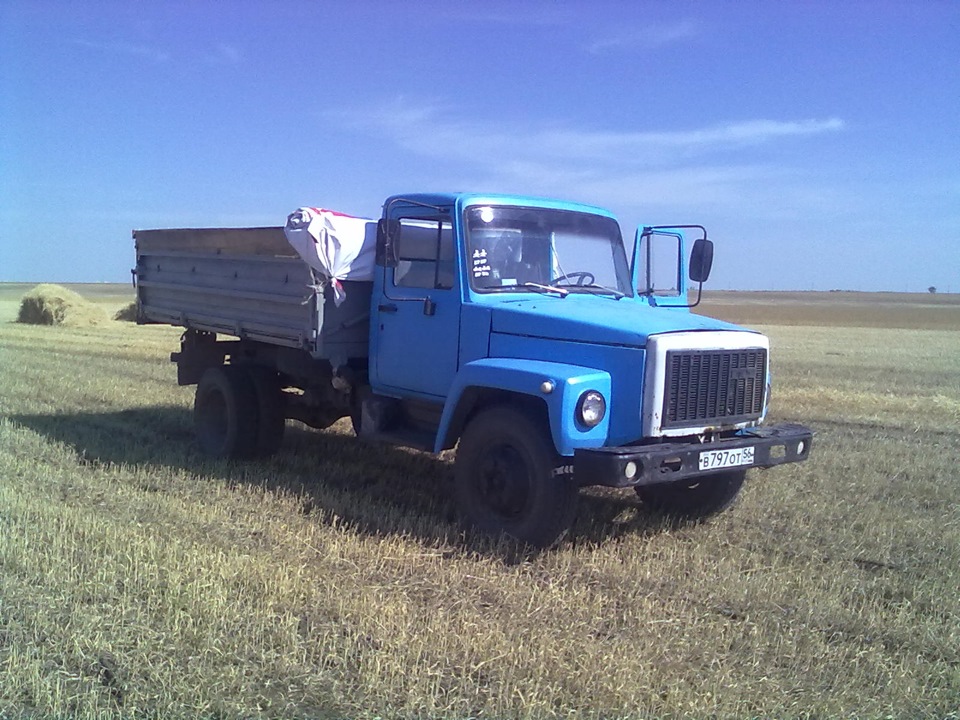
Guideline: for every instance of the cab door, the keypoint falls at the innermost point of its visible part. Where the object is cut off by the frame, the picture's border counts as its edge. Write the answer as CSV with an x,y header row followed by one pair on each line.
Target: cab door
x,y
659,266
418,314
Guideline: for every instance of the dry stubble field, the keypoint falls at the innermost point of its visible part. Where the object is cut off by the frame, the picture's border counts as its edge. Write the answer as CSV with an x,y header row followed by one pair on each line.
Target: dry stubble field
x,y
138,579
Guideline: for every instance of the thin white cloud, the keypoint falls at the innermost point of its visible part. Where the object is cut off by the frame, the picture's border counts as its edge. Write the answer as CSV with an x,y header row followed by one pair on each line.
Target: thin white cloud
x,y
225,54
220,54
749,132
125,48
710,185
667,168
650,37
425,130
515,15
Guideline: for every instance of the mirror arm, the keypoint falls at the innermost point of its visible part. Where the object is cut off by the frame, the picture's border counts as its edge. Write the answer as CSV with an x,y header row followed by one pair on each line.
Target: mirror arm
x,y
699,295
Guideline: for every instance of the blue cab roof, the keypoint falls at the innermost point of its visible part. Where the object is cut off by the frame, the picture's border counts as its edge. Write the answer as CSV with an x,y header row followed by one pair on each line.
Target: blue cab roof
x,y
463,199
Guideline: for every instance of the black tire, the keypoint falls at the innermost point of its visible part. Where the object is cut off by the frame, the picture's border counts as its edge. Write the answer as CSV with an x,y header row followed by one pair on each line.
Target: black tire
x,y
271,410
694,498
505,479
225,413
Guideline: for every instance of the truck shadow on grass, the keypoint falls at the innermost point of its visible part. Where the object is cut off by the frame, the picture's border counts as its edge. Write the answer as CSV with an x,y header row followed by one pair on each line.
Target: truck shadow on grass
x,y
376,489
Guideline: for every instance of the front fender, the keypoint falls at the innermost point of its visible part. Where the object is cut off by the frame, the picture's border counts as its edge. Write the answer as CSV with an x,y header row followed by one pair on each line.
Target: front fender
x,y
526,377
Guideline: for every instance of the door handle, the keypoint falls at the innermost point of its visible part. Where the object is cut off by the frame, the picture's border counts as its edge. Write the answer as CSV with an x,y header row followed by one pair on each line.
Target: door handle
x,y
390,308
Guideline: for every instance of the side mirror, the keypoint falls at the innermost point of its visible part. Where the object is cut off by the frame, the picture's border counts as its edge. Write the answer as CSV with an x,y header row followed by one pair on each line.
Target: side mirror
x,y
388,233
701,260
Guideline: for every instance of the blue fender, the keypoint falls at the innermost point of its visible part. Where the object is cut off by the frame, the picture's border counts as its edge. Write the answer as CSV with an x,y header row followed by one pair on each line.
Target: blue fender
x,y
526,377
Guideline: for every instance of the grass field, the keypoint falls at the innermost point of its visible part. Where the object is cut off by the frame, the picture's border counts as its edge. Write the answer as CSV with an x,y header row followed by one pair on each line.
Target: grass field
x,y
138,579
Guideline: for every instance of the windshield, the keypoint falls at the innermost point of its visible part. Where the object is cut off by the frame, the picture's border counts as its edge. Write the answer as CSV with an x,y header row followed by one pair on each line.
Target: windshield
x,y
536,249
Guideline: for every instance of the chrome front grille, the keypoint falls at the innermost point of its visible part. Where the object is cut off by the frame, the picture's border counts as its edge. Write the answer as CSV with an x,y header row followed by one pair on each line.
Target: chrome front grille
x,y
713,387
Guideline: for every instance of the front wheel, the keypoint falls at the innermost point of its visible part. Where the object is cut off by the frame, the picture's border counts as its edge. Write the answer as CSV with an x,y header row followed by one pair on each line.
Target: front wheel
x,y
507,479
694,498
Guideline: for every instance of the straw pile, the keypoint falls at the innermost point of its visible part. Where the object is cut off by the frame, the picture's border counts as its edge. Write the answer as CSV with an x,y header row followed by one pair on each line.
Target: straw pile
x,y
49,304
127,313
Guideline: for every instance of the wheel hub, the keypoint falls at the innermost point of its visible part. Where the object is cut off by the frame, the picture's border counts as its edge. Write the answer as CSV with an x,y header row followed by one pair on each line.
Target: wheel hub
x,y
503,483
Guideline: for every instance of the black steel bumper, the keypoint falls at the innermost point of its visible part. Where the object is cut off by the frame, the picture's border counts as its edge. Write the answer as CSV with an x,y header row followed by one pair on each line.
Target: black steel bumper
x,y
646,464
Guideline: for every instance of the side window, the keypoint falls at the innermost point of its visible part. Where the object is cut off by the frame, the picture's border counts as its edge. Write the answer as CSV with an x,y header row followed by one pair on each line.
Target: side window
x,y
424,254
660,263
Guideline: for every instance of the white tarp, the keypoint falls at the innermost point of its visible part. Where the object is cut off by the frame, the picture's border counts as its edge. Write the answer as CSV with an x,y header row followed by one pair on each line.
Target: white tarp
x,y
337,246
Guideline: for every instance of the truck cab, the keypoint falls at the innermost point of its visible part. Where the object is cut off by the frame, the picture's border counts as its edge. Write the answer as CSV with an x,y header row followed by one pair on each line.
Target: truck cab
x,y
520,328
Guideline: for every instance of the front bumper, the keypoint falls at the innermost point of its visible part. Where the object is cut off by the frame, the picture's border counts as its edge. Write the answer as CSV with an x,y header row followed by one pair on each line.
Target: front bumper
x,y
773,445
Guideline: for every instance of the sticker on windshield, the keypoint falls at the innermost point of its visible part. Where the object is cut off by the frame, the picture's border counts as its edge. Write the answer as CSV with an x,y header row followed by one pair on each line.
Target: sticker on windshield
x,y
481,268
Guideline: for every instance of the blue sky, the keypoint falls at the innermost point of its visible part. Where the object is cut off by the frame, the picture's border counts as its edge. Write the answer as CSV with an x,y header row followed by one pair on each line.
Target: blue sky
x,y
819,142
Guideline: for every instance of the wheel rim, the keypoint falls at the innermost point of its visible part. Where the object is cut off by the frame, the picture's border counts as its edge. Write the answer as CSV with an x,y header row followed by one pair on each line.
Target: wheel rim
x,y
503,482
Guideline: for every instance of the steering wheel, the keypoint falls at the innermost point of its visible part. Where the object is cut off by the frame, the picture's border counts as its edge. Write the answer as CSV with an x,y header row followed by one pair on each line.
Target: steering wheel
x,y
580,276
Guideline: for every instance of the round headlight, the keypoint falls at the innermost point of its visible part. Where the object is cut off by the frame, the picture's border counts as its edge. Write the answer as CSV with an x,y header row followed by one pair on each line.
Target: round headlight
x,y
591,408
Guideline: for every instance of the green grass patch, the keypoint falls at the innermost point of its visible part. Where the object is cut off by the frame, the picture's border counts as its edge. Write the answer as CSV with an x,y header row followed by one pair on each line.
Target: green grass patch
x,y
139,579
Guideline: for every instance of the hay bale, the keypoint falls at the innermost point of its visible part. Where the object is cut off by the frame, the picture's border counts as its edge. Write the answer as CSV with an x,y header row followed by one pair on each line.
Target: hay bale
x,y
49,304
127,313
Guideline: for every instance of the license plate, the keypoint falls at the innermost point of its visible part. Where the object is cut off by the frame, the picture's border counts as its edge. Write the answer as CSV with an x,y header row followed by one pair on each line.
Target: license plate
x,y
734,457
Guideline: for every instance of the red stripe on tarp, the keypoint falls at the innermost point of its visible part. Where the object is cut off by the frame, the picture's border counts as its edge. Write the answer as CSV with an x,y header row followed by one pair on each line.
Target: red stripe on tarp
x,y
332,212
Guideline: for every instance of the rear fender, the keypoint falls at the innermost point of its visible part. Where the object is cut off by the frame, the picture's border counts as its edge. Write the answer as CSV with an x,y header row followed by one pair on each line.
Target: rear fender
x,y
558,385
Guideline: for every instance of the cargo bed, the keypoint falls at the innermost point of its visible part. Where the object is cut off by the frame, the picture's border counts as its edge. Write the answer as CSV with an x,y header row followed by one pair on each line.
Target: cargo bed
x,y
248,283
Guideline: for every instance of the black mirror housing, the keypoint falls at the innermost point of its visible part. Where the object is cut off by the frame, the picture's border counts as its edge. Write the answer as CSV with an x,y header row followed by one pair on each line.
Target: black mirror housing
x,y
388,233
701,260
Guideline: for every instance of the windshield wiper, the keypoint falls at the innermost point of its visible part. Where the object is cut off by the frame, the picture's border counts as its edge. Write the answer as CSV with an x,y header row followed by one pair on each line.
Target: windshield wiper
x,y
594,286
563,292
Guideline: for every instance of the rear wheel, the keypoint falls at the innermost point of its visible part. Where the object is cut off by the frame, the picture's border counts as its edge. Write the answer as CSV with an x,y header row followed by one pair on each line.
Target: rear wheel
x,y
506,481
271,410
694,498
225,413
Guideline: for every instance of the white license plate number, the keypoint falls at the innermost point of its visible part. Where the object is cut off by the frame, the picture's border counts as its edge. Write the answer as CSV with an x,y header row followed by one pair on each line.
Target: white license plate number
x,y
734,457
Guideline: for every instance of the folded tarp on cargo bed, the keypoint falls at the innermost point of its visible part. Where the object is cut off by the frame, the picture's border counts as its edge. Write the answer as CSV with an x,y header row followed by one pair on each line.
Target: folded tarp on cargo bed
x,y
337,246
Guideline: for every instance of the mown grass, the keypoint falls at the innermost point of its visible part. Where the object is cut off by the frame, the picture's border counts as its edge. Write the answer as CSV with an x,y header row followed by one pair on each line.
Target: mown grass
x,y
836,309
138,579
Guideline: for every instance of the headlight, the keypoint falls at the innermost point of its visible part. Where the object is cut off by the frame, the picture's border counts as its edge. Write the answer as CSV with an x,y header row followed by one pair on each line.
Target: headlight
x,y
591,407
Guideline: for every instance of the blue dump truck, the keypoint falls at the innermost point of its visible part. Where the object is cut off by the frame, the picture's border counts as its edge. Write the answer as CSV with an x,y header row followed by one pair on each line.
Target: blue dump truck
x,y
516,329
